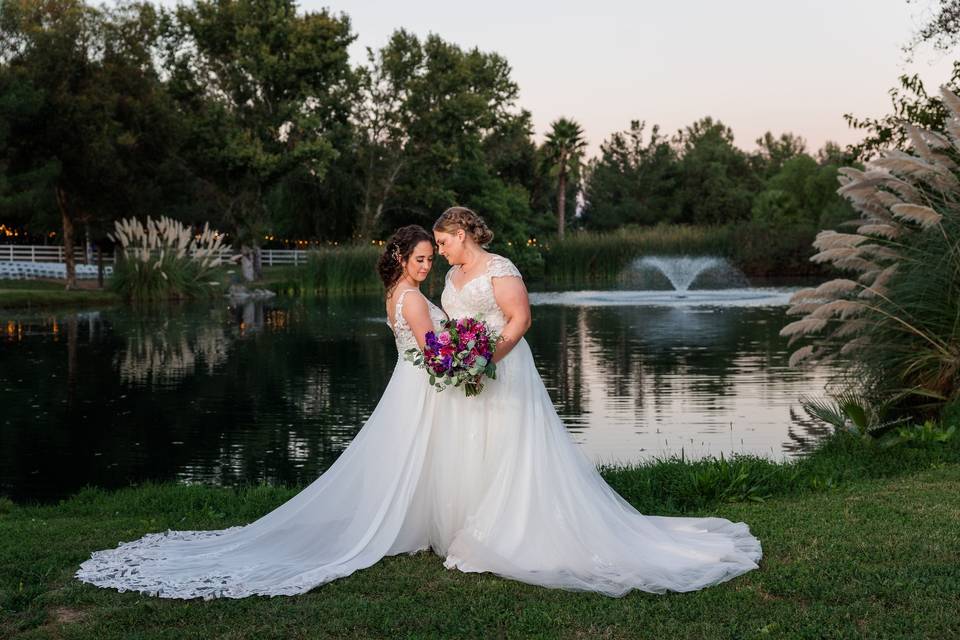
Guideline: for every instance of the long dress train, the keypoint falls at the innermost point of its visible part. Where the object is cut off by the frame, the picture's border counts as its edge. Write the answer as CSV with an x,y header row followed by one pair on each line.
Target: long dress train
x,y
511,493
358,511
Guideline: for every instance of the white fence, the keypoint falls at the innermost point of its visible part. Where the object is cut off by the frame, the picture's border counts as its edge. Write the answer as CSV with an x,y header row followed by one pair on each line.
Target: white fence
x,y
40,253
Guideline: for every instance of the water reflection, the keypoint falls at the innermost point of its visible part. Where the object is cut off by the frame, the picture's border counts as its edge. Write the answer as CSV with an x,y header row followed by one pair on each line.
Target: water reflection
x,y
633,381
164,354
275,392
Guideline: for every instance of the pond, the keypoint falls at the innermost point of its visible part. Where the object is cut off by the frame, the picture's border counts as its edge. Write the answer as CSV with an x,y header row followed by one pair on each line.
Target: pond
x,y
274,392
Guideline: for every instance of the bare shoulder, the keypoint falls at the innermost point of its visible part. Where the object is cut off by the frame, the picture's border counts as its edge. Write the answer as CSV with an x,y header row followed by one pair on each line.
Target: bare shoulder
x,y
414,304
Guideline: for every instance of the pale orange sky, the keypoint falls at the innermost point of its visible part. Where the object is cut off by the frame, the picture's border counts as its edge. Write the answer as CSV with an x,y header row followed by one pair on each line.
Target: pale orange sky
x,y
757,65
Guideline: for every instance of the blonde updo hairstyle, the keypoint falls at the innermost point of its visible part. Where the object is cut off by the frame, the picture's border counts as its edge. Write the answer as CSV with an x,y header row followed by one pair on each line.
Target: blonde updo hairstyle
x,y
456,218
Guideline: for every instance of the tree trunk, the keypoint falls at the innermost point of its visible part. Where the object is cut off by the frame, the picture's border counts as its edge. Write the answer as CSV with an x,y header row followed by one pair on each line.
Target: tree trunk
x,y
365,225
87,245
100,266
67,239
373,203
561,203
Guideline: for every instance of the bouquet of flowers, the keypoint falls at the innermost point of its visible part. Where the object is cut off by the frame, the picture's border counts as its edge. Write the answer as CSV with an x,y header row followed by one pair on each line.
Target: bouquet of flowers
x,y
459,354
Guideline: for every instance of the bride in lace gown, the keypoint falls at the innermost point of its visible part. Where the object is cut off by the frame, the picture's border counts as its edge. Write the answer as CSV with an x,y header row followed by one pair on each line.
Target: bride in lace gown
x,y
491,483
358,511
513,495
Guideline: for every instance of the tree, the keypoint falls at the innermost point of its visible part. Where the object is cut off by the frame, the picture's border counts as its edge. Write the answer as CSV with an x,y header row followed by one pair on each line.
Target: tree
x,y
263,86
88,129
564,150
634,181
773,152
456,106
833,153
803,193
942,29
717,182
383,117
912,105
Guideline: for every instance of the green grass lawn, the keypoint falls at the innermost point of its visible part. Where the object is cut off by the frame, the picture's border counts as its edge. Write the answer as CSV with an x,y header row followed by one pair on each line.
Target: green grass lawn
x,y
48,293
875,554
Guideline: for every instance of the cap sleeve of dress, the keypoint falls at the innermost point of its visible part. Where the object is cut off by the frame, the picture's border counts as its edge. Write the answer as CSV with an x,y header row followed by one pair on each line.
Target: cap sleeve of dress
x,y
500,267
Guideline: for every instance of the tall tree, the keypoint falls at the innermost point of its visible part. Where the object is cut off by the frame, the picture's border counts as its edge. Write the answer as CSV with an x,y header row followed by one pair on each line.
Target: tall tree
x,y
564,148
383,117
772,151
263,85
634,181
445,110
717,182
88,128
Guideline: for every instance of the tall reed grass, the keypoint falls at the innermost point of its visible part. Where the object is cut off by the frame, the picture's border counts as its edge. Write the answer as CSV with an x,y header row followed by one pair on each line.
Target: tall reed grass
x,y
161,259
601,258
344,270
895,321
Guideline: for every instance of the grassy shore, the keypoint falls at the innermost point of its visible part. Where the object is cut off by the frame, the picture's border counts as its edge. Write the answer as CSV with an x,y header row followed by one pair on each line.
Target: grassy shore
x,y
16,294
580,260
858,543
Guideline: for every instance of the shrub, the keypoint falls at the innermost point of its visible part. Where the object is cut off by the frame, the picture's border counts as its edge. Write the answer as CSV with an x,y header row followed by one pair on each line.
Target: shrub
x,y
892,324
162,259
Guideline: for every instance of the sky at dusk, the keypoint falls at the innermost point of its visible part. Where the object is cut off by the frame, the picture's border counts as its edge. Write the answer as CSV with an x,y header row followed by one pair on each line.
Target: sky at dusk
x,y
757,65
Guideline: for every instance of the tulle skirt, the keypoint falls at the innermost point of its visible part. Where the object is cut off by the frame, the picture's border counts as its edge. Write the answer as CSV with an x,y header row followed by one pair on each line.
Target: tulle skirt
x,y
510,493
346,520
491,483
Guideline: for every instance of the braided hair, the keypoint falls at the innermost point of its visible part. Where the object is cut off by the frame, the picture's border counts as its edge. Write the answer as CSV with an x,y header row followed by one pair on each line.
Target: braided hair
x,y
456,218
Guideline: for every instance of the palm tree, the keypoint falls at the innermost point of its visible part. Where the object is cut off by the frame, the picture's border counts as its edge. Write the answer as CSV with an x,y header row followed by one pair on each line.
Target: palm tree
x,y
564,148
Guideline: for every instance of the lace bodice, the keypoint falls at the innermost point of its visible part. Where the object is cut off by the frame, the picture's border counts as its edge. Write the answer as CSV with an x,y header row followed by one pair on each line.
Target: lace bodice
x,y
402,332
475,298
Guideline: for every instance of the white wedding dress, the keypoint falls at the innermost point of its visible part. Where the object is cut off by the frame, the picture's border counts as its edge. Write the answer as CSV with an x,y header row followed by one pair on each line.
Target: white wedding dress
x,y
347,519
510,493
492,483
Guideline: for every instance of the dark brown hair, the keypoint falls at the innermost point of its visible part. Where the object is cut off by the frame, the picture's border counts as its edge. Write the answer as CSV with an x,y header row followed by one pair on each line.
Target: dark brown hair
x,y
398,249
456,218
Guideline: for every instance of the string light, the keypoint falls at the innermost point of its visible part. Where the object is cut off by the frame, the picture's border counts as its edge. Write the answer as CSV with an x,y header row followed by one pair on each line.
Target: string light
x,y
15,232
12,232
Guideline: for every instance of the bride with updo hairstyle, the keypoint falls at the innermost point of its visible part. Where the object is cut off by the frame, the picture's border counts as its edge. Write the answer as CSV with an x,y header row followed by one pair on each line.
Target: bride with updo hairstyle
x,y
511,494
491,483
398,250
462,218
367,505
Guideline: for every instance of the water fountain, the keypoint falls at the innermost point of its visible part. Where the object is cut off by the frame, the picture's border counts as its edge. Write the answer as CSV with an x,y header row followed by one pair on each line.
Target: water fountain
x,y
709,272
674,281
